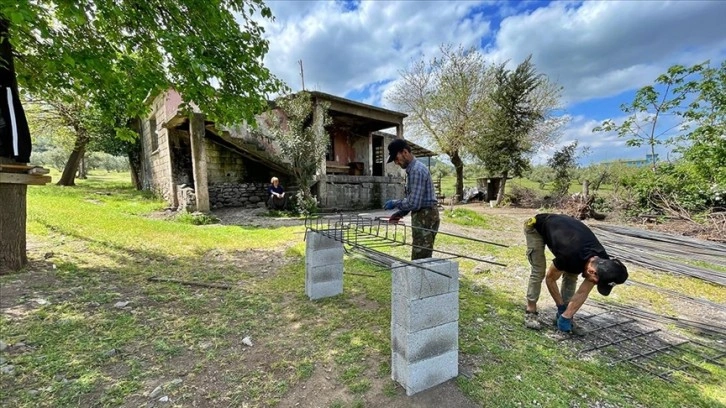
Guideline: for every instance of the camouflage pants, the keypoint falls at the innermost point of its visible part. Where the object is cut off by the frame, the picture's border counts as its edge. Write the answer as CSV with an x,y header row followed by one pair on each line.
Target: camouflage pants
x,y
425,223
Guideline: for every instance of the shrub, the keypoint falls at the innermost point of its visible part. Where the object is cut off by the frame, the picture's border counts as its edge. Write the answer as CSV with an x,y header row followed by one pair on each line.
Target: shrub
x,y
196,218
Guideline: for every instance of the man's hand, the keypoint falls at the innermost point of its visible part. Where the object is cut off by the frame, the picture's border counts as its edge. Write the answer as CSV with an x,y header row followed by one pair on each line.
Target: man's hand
x,y
395,217
389,205
564,324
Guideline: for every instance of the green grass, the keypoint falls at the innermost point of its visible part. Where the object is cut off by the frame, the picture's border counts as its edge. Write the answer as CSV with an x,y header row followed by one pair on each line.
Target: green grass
x,y
105,242
448,186
460,216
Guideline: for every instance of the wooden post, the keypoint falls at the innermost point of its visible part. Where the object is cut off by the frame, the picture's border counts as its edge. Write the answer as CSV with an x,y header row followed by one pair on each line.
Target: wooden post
x,y
13,215
199,161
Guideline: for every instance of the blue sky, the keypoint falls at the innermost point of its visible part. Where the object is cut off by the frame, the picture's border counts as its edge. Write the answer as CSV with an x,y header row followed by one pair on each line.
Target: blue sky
x,y
600,52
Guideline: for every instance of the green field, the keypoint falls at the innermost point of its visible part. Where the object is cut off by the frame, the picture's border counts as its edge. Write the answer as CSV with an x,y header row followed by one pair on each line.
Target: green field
x,y
97,244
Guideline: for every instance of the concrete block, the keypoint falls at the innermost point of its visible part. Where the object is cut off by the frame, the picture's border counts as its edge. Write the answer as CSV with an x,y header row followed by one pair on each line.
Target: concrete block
x,y
329,256
324,273
425,344
322,290
424,374
415,315
415,283
323,240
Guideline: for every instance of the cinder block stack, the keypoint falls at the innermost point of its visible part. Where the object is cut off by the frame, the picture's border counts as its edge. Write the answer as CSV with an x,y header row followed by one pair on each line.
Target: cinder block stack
x,y
424,324
323,265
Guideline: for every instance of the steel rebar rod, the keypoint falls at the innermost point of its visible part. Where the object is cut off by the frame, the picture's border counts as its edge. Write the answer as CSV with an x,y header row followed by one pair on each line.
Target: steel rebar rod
x,y
619,341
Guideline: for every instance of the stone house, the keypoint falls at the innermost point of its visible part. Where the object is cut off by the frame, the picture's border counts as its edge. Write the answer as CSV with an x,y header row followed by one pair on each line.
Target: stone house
x,y
195,164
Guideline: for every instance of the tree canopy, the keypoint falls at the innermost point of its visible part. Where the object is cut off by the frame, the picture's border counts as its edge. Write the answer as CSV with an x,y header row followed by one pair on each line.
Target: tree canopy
x,y
117,52
447,101
522,101
646,122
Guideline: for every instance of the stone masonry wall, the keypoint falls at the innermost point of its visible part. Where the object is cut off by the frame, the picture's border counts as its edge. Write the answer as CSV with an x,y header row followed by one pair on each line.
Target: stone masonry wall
x,y
247,195
357,192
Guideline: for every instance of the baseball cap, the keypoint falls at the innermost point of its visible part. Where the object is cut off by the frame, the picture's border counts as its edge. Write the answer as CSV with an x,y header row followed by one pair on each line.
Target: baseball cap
x,y
396,146
610,272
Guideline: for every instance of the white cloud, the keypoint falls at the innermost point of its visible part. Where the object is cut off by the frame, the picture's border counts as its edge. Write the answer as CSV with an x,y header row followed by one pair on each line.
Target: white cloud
x,y
599,49
346,51
594,49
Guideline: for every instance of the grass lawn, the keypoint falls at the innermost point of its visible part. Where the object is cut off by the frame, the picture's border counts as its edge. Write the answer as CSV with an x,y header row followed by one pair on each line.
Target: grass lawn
x,y
448,186
75,342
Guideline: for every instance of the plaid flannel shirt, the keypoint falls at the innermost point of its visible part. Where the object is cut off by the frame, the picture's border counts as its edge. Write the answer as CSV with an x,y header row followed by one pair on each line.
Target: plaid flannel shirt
x,y
419,189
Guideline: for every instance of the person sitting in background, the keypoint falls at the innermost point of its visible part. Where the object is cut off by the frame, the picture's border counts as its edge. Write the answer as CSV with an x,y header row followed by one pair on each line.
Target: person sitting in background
x,y
276,195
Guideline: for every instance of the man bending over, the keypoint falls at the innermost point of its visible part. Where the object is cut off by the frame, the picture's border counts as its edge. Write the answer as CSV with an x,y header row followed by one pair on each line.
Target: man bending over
x,y
577,252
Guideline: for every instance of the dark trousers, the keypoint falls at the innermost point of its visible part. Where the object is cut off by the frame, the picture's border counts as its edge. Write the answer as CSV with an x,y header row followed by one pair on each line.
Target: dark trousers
x,y
276,203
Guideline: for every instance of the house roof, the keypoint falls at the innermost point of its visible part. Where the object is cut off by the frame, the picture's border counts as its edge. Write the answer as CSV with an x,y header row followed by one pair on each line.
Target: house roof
x,y
416,150
359,117
338,99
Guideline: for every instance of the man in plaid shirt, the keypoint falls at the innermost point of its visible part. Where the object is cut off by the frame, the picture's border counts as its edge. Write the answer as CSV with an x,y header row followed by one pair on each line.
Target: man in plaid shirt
x,y
420,200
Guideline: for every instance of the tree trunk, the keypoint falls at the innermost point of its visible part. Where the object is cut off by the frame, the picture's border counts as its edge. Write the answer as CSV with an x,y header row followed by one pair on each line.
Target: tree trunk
x,y
82,170
134,154
69,172
502,185
12,225
459,167
135,167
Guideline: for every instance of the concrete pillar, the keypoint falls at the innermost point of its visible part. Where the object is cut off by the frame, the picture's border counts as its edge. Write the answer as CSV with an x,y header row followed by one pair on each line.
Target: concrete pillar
x,y
199,161
323,266
424,324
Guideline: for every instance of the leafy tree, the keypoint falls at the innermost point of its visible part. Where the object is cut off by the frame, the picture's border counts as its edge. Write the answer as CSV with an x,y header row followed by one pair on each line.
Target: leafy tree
x,y
441,170
563,162
115,53
447,99
298,125
517,115
541,175
474,171
598,174
651,105
705,121
210,51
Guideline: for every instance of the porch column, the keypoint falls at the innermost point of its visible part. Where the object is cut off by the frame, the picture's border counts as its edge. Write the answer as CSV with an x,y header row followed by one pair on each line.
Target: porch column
x,y
370,154
199,161
399,131
165,135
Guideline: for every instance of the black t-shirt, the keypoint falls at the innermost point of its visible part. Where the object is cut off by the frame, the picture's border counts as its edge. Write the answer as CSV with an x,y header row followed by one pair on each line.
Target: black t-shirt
x,y
571,241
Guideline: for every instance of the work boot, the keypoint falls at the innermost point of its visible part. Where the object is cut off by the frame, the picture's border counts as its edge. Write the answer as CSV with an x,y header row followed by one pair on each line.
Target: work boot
x,y
531,321
576,329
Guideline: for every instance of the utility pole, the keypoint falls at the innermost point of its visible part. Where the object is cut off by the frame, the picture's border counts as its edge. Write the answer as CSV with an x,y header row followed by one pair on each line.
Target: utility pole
x,y
302,74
